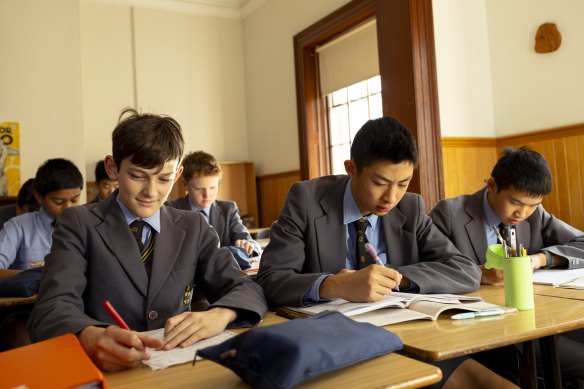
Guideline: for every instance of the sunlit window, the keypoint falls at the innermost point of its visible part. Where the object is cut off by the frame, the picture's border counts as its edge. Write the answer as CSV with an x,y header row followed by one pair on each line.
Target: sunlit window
x,y
349,108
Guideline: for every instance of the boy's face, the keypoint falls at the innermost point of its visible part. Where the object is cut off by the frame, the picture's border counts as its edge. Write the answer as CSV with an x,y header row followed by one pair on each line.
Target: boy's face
x,y
143,191
202,190
511,205
106,187
56,201
378,188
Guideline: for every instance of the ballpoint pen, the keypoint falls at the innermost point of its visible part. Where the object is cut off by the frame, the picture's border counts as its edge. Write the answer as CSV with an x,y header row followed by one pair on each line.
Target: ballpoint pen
x,y
371,250
488,312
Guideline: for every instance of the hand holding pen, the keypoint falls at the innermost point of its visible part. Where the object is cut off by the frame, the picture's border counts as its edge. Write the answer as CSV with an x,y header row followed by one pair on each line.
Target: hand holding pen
x,y
371,250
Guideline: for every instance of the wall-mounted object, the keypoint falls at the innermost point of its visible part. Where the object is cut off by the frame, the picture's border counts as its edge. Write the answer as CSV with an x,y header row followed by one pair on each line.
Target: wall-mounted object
x,y
547,38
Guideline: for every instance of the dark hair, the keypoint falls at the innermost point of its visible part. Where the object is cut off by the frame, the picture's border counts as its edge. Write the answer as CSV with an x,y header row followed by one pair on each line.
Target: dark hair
x,y
200,163
523,169
26,197
100,173
56,174
149,140
383,139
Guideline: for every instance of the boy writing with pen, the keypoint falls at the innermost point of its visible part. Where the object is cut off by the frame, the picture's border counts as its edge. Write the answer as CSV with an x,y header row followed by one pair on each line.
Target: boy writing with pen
x,y
511,202
317,246
142,256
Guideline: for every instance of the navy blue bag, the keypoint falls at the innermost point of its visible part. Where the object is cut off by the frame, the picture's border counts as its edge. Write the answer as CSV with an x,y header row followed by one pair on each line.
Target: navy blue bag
x,y
284,355
23,284
240,256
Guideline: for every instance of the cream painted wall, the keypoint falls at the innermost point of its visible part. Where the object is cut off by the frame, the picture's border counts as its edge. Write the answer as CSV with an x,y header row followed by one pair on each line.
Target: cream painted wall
x,y
272,124
40,79
463,68
535,91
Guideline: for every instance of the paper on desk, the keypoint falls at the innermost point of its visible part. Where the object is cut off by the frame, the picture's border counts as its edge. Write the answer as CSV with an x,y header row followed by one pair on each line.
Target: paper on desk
x,y
556,277
160,359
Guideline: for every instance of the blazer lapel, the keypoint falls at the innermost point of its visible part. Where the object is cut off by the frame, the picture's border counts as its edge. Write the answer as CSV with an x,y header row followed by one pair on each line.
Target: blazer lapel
x,y
475,228
216,219
116,234
398,242
166,250
330,230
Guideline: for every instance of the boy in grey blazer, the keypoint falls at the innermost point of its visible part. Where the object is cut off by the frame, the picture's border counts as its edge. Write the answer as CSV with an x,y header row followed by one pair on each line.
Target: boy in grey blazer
x,y
512,196
315,250
201,177
99,253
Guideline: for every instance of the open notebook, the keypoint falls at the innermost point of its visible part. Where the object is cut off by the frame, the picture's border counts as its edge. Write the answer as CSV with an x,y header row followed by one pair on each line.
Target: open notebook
x,y
397,307
563,278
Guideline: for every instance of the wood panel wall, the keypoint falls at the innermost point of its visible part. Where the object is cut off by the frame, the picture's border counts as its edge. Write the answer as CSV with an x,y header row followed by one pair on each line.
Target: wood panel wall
x,y
467,161
272,191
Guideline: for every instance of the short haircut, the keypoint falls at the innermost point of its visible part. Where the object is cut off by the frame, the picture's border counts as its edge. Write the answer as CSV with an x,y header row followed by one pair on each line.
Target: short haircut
x,y
149,140
100,173
523,169
57,174
200,163
383,139
26,197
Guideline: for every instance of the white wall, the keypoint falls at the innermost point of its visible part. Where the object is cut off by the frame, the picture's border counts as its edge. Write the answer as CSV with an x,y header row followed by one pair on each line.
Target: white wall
x,y
272,123
40,79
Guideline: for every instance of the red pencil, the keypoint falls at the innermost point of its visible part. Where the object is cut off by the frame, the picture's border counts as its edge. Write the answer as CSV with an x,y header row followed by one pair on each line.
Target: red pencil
x,y
115,315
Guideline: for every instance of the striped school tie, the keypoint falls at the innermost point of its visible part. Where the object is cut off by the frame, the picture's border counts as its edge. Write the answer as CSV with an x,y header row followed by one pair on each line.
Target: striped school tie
x,y
363,257
137,226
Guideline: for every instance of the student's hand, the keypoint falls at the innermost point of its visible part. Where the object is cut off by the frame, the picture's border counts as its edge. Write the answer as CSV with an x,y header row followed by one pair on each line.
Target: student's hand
x,y
190,327
114,348
491,276
244,244
365,285
537,260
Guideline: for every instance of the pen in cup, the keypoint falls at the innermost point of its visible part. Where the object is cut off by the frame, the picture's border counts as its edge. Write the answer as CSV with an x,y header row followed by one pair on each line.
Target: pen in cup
x,y
371,250
115,315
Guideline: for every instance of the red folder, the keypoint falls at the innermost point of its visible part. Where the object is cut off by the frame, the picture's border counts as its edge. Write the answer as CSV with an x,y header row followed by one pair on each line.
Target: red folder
x,y
60,362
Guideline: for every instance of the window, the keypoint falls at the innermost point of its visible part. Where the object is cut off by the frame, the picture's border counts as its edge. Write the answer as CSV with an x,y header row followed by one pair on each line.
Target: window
x,y
348,109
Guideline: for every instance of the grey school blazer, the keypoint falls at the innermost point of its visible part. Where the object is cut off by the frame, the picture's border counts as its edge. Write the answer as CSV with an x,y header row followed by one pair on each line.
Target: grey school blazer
x,y
94,257
308,240
462,219
224,219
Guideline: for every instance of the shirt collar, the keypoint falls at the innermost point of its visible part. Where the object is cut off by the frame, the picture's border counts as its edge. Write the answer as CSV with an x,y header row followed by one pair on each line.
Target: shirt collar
x,y
197,209
351,211
153,221
45,217
490,216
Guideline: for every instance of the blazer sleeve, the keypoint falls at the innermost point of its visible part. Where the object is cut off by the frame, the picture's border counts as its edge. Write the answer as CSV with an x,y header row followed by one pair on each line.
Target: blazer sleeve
x,y
238,231
562,239
284,259
442,267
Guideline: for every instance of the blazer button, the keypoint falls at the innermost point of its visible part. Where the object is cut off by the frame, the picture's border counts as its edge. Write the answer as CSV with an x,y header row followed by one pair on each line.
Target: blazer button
x,y
152,315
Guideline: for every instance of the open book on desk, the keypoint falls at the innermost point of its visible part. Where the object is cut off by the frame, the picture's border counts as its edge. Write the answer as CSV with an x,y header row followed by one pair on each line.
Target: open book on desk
x,y
396,308
563,278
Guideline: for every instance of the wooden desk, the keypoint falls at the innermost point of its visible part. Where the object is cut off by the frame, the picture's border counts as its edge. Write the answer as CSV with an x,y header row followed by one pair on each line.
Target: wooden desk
x,y
446,338
548,290
10,301
388,371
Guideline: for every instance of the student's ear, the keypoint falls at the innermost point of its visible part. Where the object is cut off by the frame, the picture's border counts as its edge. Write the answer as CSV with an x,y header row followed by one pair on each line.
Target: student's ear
x,y
111,168
38,197
491,185
178,175
350,168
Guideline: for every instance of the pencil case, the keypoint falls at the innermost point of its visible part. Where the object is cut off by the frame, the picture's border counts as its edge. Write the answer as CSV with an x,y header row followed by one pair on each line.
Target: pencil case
x,y
284,355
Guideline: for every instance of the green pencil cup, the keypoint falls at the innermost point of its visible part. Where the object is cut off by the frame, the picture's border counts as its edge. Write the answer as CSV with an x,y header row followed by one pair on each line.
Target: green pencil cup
x,y
517,276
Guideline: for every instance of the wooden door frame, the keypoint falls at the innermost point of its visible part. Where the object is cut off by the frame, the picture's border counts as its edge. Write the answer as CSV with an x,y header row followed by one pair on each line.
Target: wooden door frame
x,y
407,65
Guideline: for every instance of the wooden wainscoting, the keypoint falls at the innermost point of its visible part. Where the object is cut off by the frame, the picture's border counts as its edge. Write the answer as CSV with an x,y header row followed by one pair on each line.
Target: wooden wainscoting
x,y
468,161
272,191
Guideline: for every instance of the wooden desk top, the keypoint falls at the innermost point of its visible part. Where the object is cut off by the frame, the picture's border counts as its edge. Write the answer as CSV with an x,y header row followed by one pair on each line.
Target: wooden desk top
x,y
388,371
548,290
446,338
8,301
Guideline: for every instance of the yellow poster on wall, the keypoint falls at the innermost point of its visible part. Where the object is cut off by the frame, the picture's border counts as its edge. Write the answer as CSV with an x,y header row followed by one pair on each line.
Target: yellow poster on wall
x,y
9,158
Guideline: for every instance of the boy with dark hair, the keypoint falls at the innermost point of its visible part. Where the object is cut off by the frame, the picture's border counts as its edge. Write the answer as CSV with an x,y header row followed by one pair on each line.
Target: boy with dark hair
x,y
201,177
316,245
26,239
142,256
105,185
25,202
512,199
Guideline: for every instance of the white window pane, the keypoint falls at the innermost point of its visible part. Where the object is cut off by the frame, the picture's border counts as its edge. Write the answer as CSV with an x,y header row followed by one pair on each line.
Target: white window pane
x,y
339,97
358,90
339,154
374,85
339,125
358,115
375,108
